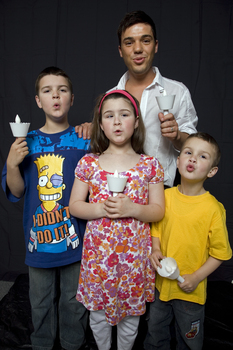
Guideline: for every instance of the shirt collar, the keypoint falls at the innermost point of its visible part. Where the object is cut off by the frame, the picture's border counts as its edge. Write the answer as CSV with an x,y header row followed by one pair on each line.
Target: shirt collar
x,y
158,79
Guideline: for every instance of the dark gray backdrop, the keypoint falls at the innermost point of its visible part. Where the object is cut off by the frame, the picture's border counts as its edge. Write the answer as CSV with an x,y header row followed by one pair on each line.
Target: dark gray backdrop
x,y
195,47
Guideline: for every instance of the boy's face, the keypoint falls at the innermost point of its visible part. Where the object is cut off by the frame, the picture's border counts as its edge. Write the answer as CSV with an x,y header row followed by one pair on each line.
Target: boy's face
x,y
54,96
196,160
138,48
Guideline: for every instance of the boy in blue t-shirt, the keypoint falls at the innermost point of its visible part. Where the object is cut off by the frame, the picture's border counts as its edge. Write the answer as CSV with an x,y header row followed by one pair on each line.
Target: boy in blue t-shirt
x,y
41,168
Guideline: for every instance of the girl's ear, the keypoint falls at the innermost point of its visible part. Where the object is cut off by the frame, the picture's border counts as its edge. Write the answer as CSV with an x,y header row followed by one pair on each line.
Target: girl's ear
x,y
212,172
136,122
178,162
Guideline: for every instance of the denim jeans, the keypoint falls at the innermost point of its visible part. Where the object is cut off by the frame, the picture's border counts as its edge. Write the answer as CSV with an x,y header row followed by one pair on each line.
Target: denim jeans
x,y
55,309
189,321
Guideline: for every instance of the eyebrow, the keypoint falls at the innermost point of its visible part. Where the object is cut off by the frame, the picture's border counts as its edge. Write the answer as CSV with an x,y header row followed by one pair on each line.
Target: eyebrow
x,y
121,110
59,86
190,148
142,37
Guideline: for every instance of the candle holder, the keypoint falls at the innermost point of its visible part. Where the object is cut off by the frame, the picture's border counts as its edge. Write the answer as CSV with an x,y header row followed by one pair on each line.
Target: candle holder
x,y
116,183
165,102
18,128
170,269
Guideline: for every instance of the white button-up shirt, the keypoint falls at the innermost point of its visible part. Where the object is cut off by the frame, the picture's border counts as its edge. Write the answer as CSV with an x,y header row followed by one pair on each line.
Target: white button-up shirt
x,y
183,110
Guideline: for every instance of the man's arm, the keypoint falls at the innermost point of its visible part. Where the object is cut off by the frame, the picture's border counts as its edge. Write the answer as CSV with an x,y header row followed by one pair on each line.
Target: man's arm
x,y
170,129
84,130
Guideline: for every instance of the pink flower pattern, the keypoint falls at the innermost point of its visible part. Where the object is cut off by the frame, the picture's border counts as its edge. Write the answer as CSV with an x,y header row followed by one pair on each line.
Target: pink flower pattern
x,y
116,274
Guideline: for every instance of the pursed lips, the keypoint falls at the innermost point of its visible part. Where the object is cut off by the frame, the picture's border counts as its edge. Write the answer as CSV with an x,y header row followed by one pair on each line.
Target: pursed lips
x,y
139,59
190,168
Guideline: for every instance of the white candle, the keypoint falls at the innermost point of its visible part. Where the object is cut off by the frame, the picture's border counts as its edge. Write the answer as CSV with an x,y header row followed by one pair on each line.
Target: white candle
x,y
164,92
116,173
17,119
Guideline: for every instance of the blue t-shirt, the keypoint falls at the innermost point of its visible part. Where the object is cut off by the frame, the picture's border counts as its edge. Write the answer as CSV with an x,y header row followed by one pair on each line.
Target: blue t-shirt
x,y
52,236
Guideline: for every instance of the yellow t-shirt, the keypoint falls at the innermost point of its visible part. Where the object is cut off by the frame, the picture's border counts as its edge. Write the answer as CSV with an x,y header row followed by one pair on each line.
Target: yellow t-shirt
x,y
193,228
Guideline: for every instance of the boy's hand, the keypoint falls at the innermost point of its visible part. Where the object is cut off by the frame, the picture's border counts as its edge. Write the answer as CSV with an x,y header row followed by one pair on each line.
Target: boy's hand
x,y
155,258
190,283
18,152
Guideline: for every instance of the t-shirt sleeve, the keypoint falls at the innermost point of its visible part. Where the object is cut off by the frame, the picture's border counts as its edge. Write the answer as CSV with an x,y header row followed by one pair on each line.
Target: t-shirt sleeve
x,y
6,189
156,229
219,247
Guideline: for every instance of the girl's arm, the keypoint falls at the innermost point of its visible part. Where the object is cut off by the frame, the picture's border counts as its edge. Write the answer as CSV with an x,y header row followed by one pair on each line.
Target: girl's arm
x,y
78,205
191,281
17,153
122,206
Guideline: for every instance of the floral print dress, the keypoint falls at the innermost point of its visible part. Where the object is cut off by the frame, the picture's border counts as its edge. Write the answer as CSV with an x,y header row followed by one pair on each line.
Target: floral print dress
x,y
116,274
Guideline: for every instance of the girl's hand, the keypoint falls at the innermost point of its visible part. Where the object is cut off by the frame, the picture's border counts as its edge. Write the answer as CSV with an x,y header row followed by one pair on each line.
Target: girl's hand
x,y
18,152
190,283
155,258
118,207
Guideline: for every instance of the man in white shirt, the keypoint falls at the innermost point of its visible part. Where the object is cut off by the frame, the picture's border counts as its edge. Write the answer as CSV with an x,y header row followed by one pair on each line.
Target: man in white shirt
x,y
164,133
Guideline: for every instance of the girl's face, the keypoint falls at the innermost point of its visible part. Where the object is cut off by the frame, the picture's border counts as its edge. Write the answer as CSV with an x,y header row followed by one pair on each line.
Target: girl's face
x,y
118,120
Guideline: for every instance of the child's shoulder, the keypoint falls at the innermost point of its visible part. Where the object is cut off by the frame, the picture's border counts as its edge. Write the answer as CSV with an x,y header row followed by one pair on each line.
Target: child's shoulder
x,y
150,160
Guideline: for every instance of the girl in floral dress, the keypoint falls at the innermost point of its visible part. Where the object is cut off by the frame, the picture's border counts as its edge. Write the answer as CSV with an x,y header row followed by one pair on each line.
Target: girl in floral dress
x,y
116,278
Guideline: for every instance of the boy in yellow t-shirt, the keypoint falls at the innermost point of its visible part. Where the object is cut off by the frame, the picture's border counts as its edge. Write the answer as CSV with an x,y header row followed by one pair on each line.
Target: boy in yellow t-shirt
x,y
193,232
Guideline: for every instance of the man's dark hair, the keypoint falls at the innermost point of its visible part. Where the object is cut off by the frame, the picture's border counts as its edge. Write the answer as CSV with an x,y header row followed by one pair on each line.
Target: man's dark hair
x,y
132,18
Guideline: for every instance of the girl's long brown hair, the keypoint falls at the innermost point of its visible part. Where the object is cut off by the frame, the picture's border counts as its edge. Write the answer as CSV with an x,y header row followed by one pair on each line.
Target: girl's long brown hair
x,y
99,142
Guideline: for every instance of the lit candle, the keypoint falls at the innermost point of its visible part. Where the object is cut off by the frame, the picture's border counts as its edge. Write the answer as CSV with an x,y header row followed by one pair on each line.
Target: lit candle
x,y
164,92
17,119
116,173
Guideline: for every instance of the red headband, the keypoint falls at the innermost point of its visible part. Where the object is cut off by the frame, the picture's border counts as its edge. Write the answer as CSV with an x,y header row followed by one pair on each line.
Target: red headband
x,y
123,92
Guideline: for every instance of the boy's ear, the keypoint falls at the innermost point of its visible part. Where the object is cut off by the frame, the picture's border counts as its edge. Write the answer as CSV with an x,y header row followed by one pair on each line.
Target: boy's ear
x,y
72,100
38,101
212,172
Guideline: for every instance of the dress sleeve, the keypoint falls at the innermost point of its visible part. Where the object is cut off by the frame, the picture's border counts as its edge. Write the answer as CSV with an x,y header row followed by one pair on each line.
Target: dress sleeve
x,y
157,172
84,168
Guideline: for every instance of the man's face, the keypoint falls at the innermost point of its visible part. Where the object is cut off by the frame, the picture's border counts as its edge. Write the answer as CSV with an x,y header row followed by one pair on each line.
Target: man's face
x,y
138,48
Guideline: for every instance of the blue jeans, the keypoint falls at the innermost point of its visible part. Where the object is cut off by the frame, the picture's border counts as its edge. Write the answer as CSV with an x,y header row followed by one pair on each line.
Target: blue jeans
x,y
189,321
55,308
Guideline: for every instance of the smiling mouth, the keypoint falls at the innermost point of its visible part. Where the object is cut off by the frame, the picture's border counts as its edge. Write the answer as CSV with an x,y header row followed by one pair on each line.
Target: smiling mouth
x,y
51,197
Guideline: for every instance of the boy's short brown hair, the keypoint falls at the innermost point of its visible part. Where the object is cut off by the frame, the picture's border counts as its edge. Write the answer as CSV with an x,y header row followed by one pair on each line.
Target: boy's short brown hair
x,y
52,71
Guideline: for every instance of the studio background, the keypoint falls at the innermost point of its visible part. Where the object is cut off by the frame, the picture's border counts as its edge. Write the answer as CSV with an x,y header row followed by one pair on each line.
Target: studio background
x,y
195,47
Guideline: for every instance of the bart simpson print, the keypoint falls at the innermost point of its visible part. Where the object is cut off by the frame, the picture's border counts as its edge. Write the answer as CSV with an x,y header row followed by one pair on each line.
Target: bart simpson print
x,y
52,230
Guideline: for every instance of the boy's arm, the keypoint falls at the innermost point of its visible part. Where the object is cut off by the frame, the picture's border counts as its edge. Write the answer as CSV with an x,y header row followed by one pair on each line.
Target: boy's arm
x,y
17,153
156,254
191,281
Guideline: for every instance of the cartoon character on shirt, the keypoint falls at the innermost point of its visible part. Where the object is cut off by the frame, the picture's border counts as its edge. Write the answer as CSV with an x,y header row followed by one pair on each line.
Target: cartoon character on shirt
x,y
52,230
